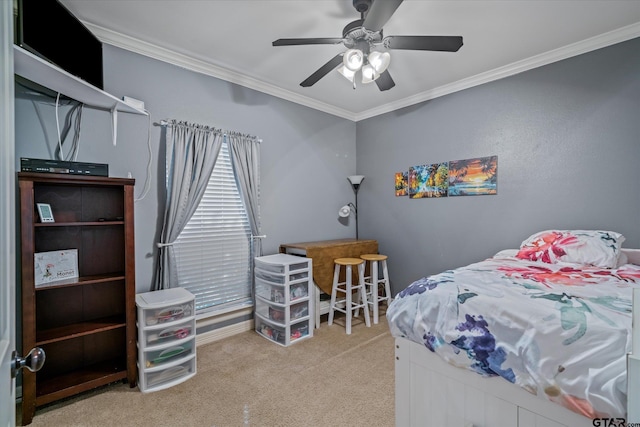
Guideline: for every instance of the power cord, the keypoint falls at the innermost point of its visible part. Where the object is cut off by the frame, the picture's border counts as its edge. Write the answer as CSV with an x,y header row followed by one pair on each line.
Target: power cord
x,y
147,181
75,147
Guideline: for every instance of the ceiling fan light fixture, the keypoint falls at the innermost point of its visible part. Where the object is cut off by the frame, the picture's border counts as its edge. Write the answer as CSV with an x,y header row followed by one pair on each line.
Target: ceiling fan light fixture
x,y
347,73
359,37
380,61
369,74
353,59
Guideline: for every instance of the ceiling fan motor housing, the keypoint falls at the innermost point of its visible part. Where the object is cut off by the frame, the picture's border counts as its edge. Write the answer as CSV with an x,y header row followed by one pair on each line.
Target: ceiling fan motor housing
x,y
365,37
354,34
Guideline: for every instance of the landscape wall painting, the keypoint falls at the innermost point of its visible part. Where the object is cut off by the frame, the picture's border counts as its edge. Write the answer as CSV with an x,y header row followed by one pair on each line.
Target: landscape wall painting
x,y
468,177
473,177
428,180
402,183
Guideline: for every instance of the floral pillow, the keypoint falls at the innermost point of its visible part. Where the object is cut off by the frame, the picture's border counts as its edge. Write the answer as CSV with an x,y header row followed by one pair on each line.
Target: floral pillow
x,y
585,247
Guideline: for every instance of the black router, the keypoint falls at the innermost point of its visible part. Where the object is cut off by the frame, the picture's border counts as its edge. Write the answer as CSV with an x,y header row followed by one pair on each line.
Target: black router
x,y
62,166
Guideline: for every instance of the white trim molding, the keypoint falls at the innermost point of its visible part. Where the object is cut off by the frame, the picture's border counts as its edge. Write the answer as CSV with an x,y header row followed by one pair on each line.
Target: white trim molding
x,y
134,45
156,52
225,332
208,319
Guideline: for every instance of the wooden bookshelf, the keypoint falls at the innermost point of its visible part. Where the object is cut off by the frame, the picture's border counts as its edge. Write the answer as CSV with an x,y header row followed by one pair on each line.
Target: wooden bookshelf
x,y
85,325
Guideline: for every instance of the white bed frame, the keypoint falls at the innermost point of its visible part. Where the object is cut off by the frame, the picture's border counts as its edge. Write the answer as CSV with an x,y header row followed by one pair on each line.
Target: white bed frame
x,y
433,393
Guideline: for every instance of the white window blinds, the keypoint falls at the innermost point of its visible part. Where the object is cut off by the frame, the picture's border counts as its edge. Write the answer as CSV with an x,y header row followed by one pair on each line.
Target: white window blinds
x,y
213,252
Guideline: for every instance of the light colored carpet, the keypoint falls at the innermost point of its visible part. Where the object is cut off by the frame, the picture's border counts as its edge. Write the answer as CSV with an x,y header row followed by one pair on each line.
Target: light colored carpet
x,y
331,379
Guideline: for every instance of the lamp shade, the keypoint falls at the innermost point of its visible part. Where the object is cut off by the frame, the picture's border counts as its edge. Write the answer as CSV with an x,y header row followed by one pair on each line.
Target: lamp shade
x,y
355,179
353,59
379,61
369,74
344,211
347,73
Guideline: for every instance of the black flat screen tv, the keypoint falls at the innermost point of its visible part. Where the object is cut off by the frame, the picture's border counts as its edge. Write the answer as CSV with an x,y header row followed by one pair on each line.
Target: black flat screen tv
x,y
46,28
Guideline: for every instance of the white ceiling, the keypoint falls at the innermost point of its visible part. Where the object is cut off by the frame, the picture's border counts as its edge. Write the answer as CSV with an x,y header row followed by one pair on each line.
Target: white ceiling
x,y
231,39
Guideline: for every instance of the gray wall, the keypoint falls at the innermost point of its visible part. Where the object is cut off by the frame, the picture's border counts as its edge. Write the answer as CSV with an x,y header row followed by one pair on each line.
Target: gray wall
x,y
306,155
567,137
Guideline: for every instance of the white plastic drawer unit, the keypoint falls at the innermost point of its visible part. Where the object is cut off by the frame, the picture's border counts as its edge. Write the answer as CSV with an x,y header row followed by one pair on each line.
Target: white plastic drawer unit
x,y
278,333
163,333
283,314
283,288
158,379
281,278
168,314
281,264
280,293
169,352
166,338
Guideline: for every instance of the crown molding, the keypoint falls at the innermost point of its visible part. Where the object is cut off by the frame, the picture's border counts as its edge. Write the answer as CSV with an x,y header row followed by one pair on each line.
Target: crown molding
x,y
603,40
156,52
162,54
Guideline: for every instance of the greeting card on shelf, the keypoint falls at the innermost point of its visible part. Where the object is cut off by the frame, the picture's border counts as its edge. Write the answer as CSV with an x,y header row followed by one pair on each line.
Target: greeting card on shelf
x,y
55,267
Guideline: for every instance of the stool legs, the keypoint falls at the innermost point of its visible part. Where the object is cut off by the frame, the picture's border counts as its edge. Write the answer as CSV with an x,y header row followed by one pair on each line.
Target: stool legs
x,y
387,286
348,289
362,290
374,284
374,290
334,291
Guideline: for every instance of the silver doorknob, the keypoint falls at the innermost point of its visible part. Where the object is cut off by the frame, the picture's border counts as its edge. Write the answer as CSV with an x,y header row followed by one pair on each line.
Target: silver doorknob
x,y
33,362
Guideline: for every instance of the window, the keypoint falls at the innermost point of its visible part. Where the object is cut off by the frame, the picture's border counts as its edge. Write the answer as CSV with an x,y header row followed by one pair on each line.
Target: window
x,y
213,252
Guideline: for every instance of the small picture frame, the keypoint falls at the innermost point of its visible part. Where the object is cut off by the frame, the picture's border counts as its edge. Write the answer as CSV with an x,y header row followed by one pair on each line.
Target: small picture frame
x,y
45,212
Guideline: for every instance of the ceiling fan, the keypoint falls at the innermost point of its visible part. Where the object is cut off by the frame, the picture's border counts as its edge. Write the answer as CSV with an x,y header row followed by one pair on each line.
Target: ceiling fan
x,y
362,37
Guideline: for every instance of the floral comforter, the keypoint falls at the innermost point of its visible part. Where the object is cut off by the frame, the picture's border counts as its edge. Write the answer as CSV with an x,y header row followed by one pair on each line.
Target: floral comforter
x,y
560,331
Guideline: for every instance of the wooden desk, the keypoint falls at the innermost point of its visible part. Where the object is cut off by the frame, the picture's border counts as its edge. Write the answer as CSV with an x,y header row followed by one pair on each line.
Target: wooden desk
x,y
322,254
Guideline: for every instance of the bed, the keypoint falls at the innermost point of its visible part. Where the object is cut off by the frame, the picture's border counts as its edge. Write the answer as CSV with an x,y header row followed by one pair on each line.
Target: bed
x,y
539,336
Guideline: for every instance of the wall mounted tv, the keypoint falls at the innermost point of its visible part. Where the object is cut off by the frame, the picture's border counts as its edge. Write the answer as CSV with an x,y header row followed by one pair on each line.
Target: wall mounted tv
x,y
47,29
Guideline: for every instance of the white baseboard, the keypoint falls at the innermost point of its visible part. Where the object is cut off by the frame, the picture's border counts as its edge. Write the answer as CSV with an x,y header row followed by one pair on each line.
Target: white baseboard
x,y
224,332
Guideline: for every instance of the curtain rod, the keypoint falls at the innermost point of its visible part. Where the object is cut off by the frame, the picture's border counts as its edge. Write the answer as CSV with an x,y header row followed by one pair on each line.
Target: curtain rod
x,y
225,132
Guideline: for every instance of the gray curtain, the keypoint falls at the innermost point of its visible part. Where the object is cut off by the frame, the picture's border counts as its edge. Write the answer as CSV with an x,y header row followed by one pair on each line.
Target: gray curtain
x,y
245,159
192,151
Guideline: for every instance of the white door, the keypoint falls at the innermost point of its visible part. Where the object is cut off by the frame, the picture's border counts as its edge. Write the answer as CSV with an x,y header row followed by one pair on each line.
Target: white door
x,y
7,217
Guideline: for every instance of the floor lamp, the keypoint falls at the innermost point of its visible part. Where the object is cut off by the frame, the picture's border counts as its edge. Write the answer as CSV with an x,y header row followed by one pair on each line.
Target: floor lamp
x,y
355,181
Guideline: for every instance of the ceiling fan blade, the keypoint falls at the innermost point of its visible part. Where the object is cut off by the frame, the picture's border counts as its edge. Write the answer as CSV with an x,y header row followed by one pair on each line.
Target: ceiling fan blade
x,y
439,43
385,82
322,71
297,42
380,13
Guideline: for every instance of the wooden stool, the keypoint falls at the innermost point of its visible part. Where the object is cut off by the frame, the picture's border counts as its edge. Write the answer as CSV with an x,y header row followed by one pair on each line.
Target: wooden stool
x,y
373,282
347,288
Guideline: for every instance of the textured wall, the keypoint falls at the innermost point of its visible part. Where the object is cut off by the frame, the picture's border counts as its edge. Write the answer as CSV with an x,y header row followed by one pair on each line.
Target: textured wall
x,y
306,154
567,137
